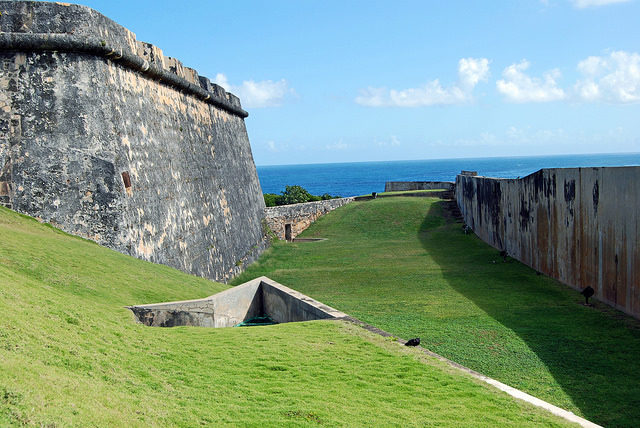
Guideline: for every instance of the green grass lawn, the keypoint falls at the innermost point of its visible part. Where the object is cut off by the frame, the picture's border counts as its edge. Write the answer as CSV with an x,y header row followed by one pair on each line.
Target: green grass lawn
x,y
398,264
71,355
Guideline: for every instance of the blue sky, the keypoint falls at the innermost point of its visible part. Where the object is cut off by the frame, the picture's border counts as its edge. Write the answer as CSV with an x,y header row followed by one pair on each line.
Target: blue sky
x,y
344,81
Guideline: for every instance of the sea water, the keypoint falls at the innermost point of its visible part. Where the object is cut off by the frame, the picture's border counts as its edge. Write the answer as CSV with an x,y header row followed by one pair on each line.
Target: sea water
x,y
359,178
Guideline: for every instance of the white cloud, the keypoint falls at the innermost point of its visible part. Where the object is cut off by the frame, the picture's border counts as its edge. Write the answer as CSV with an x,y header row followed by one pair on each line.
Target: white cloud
x,y
271,145
528,140
265,93
504,142
614,78
393,142
470,72
340,145
518,87
582,4
535,137
484,139
283,147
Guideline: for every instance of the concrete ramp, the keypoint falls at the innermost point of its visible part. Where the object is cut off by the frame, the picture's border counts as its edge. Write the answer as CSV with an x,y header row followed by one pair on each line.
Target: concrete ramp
x,y
256,298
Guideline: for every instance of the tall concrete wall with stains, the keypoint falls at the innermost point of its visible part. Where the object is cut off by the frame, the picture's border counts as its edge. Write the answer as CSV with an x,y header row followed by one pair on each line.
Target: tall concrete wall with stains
x,y
579,225
106,138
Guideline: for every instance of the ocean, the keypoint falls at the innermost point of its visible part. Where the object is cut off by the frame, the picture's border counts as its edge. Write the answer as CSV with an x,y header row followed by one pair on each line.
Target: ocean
x,y
359,178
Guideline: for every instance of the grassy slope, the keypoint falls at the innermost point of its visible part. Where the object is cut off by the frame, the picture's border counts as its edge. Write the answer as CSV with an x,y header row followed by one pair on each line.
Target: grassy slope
x,y
397,264
70,354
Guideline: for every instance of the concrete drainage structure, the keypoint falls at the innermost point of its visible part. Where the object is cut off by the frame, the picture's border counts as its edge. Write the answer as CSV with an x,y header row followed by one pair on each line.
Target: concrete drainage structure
x,y
258,297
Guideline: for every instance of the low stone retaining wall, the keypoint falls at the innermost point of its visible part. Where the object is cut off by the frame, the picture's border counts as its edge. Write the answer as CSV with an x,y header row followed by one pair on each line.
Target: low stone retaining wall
x,y
401,186
288,221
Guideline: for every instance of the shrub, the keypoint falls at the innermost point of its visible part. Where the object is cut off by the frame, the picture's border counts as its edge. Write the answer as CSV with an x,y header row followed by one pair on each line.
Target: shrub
x,y
294,195
270,199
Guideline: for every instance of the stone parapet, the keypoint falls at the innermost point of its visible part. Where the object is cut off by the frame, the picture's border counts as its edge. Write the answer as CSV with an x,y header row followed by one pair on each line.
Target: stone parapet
x,y
38,27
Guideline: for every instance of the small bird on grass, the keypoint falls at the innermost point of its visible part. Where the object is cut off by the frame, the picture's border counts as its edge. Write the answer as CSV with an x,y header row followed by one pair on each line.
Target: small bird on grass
x,y
413,342
587,292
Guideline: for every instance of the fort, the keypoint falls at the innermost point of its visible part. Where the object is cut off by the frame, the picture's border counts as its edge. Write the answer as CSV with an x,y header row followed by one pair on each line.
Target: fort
x,y
104,137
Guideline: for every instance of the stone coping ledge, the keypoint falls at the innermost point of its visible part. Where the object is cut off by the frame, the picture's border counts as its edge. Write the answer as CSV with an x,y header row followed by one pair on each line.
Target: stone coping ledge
x,y
27,26
275,211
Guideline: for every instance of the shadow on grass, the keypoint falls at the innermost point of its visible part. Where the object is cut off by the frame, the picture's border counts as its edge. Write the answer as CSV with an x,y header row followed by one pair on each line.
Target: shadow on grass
x,y
593,354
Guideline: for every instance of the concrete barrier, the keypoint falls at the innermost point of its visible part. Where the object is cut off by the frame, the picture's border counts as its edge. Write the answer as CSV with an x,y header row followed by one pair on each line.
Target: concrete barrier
x,y
259,297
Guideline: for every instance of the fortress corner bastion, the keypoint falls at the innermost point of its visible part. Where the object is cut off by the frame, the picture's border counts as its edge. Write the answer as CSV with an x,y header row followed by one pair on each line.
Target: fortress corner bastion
x,y
104,137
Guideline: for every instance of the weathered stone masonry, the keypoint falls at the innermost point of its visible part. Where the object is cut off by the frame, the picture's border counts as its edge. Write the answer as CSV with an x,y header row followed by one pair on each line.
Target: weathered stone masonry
x,y
106,138
579,225
299,216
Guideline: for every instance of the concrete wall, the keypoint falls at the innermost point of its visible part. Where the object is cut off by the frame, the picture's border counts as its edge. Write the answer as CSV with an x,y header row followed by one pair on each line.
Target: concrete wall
x,y
258,297
299,216
400,186
224,309
283,304
579,225
106,138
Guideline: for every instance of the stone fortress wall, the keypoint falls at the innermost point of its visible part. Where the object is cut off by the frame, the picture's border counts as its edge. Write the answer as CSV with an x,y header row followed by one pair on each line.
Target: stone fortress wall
x,y
579,225
106,138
